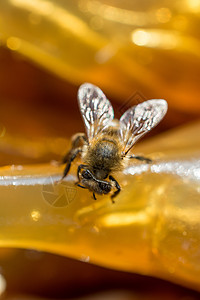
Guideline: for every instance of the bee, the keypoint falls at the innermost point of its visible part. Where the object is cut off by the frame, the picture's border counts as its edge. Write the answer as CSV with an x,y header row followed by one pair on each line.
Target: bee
x,y
105,149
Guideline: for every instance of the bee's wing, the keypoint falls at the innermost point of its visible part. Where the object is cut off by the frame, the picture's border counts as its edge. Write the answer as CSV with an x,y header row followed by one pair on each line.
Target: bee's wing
x,y
95,108
140,119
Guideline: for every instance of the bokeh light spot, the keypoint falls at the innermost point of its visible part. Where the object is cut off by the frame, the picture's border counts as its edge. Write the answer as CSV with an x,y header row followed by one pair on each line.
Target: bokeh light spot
x,y
163,15
13,43
35,215
194,5
2,284
140,37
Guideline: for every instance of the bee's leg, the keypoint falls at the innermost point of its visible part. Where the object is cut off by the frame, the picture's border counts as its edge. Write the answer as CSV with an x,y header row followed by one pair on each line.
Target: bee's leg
x,y
117,187
142,158
66,158
78,140
81,186
71,156
94,196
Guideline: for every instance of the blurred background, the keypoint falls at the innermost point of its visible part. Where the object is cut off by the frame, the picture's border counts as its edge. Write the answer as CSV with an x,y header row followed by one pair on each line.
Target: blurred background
x,y
133,50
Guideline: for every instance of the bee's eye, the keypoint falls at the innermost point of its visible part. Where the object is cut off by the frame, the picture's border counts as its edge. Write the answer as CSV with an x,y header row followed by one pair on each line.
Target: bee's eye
x,y
86,174
106,187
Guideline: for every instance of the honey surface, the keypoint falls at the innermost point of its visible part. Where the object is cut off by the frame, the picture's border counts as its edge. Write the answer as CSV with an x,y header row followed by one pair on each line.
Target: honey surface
x,y
153,228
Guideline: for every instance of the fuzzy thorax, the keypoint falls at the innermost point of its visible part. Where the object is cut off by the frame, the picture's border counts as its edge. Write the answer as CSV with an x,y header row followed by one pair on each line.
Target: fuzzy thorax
x,y
103,156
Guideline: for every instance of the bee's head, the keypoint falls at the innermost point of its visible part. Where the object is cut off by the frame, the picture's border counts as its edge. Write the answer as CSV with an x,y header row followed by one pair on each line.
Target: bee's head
x,y
95,185
105,186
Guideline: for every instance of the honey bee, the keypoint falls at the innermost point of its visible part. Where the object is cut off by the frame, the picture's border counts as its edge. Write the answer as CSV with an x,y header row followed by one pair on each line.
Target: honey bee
x,y
105,148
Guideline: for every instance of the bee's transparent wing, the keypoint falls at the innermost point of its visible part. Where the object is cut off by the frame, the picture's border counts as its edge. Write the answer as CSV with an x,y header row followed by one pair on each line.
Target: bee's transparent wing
x,y
95,108
140,119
